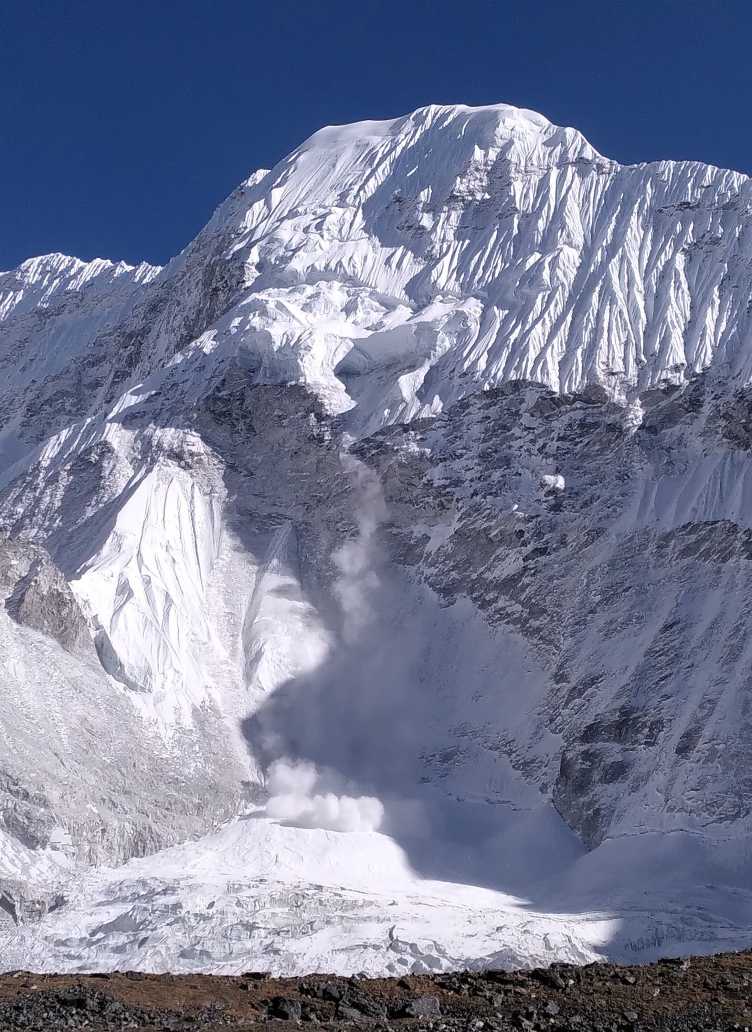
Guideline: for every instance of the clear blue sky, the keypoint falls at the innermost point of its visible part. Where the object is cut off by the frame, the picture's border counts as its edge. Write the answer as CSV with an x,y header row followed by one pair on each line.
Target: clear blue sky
x,y
124,124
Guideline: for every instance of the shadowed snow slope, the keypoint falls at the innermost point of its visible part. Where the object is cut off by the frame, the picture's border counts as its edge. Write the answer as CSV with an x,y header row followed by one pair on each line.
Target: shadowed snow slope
x,y
414,499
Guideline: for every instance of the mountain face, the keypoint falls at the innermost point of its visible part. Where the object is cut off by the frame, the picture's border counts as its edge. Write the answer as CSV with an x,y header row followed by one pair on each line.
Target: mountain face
x,y
374,577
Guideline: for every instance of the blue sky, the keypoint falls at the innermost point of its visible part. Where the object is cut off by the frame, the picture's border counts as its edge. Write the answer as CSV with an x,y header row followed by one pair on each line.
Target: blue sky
x,y
123,125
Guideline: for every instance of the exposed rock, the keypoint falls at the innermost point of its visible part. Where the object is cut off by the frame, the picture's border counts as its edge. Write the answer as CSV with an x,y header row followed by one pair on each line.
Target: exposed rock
x,y
285,1009
421,1007
37,595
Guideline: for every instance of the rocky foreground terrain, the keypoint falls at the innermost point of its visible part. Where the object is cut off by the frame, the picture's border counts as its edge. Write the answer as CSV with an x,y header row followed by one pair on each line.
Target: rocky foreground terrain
x,y
705,993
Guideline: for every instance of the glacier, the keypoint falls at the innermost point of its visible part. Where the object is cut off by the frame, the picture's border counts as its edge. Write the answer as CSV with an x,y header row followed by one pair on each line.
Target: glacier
x,y
423,472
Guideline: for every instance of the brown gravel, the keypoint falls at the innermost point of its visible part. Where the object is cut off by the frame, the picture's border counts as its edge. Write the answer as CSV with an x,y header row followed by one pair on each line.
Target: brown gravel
x,y
700,993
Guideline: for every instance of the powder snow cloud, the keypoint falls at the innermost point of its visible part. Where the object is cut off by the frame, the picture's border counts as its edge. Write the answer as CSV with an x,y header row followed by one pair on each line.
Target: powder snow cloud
x,y
298,795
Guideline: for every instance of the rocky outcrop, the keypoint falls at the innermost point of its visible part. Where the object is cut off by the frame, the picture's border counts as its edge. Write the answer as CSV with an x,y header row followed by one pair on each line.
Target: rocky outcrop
x,y
37,595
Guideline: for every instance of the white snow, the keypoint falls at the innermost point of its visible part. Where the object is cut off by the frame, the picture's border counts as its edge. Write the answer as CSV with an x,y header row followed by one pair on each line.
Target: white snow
x,y
261,895
293,797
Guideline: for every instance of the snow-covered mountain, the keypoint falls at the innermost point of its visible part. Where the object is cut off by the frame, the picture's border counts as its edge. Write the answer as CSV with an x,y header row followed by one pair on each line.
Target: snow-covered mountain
x,y
375,575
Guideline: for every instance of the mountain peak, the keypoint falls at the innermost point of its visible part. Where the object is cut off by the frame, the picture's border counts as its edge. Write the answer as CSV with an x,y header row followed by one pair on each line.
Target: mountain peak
x,y
444,138
372,487
489,122
443,251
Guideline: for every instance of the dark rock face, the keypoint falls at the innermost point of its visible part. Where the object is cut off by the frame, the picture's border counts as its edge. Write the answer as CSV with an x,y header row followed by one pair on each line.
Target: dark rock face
x,y
589,533
284,1009
38,596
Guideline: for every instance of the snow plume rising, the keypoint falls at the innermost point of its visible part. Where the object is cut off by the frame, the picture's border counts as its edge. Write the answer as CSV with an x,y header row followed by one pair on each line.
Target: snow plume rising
x,y
298,795
355,558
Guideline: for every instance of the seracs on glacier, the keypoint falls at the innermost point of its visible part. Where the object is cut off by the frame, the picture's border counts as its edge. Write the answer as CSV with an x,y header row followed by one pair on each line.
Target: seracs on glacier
x,y
423,472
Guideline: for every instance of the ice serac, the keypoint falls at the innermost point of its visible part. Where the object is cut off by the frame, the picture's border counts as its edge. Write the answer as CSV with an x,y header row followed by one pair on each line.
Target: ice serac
x,y
424,472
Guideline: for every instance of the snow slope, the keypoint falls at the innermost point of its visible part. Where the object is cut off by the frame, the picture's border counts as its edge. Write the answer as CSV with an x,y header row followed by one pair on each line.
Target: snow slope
x,y
261,896
425,463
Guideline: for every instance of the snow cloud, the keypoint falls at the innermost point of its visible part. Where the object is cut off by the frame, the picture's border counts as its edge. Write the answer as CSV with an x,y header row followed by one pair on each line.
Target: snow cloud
x,y
298,794
355,559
